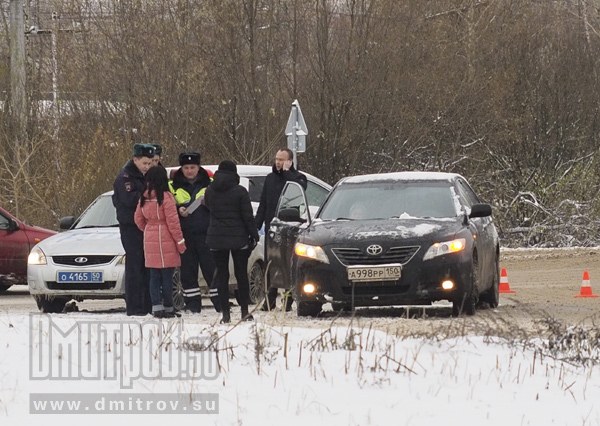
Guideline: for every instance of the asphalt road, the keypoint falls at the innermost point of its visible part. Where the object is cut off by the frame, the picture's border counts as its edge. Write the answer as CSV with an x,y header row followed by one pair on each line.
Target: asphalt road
x,y
545,281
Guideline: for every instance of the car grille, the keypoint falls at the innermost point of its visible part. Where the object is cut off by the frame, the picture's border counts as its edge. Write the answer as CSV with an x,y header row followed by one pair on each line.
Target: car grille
x,y
355,256
379,288
91,260
107,285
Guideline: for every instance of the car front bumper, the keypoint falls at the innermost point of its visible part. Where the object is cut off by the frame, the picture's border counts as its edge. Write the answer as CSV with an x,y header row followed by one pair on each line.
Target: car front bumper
x,y
42,280
419,283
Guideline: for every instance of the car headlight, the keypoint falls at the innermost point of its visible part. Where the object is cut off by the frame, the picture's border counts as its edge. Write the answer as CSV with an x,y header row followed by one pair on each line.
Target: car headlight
x,y
447,247
121,260
36,257
312,252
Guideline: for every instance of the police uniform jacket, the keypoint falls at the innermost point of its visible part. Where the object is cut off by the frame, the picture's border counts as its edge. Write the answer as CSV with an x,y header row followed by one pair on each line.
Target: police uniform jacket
x,y
231,219
274,183
185,192
128,187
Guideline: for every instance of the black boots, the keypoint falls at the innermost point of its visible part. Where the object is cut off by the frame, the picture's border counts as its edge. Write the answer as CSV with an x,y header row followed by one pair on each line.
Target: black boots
x,y
271,299
193,305
245,315
226,319
226,316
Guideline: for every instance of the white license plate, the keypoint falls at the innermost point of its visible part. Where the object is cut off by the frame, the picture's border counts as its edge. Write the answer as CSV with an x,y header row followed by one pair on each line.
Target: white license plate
x,y
374,273
79,277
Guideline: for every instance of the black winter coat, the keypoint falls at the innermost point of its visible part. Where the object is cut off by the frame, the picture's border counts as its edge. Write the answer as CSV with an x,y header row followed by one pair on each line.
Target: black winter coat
x,y
274,183
231,220
128,188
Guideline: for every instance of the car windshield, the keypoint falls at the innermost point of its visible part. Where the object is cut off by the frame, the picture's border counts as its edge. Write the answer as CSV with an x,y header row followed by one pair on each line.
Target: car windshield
x,y
101,213
384,200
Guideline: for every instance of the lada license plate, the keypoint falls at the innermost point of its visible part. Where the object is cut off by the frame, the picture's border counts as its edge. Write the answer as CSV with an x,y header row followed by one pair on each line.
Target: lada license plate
x,y
79,277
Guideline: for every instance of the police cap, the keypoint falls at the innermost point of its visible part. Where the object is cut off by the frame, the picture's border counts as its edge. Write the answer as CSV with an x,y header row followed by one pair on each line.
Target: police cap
x,y
157,149
143,150
189,158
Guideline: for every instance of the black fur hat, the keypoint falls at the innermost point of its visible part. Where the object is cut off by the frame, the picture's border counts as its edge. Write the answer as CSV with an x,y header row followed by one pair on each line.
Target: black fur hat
x,y
189,158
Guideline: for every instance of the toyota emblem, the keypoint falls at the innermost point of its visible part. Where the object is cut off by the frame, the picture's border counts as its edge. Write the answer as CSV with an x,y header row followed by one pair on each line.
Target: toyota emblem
x,y
81,260
374,250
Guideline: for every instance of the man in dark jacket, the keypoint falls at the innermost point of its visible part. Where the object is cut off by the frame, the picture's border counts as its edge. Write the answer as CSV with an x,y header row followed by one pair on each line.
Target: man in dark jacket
x,y
189,185
128,187
283,171
232,230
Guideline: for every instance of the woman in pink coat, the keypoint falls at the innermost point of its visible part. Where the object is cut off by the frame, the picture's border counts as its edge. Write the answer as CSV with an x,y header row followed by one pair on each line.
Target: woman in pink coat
x,y
156,215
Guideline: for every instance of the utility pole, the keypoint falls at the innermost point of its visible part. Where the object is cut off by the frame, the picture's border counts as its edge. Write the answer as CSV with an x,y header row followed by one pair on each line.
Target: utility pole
x,y
55,107
18,94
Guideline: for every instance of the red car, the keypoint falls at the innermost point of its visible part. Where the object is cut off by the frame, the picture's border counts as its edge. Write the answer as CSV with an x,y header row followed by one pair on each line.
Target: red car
x,y
16,241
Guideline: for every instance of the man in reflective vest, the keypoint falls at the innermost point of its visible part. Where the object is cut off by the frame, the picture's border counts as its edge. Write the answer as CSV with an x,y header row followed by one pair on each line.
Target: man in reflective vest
x,y
188,185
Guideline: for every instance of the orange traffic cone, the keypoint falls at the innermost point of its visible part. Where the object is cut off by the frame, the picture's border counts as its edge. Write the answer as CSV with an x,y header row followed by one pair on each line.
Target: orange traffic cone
x,y
504,286
586,288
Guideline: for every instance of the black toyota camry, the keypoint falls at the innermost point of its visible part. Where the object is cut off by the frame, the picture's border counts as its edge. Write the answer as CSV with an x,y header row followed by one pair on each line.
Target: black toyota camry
x,y
387,239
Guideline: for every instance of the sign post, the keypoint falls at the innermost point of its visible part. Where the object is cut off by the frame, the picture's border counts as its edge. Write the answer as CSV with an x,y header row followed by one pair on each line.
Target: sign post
x,y
296,131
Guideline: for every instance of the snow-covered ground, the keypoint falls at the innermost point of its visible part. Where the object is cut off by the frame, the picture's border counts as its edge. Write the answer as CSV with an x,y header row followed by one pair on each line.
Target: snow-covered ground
x,y
259,374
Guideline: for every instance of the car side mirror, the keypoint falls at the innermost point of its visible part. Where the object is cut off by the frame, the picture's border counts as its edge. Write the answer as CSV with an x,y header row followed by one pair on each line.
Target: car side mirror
x,y
66,222
291,214
480,210
12,225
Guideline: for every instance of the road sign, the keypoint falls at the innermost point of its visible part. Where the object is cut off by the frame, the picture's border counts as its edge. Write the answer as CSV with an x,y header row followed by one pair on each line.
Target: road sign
x,y
296,129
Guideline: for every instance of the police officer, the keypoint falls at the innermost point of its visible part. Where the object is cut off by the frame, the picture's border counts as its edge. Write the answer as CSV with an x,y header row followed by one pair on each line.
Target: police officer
x,y
128,187
188,185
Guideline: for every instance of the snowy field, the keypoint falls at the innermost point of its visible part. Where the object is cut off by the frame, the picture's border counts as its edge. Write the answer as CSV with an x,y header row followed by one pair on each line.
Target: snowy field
x,y
79,367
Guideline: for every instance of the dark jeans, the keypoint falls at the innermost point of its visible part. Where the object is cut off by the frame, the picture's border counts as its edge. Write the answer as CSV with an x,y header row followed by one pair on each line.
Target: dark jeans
x,y
197,253
161,289
240,268
137,294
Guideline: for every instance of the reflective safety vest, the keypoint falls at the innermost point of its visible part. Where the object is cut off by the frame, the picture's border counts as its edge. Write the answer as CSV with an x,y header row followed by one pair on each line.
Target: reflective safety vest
x,y
182,197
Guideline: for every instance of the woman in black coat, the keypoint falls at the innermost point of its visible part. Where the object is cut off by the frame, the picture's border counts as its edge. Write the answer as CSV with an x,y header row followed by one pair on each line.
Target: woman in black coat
x,y
231,230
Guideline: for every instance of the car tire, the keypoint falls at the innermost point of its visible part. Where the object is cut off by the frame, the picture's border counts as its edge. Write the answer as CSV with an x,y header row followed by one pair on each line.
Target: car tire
x,y
4,287
51,305
466,302
256,278
178,300
492,295
308,309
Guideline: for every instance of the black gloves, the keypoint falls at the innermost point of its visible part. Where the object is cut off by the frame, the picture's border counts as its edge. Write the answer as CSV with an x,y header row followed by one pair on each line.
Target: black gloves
x,y
252,243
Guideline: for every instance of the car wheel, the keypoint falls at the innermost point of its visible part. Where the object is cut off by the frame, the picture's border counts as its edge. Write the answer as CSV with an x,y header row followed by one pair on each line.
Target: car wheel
x,y
467,301
178,300
308,309
51,305
4,287
257,283
492,295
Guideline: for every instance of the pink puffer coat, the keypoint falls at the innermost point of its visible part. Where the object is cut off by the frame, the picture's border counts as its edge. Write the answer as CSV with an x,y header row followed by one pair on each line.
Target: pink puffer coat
x,y
163,239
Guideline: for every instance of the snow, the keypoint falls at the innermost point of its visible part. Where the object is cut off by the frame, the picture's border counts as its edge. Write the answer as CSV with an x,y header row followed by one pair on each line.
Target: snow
x,y
281,375
420,230
401,176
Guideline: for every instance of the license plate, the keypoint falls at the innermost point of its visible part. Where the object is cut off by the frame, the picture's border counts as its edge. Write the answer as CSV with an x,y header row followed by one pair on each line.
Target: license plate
x,y
79,277
374,273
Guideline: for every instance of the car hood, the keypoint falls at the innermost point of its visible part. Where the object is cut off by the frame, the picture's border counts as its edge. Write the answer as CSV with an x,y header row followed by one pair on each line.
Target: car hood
x,y
423,230
84,241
